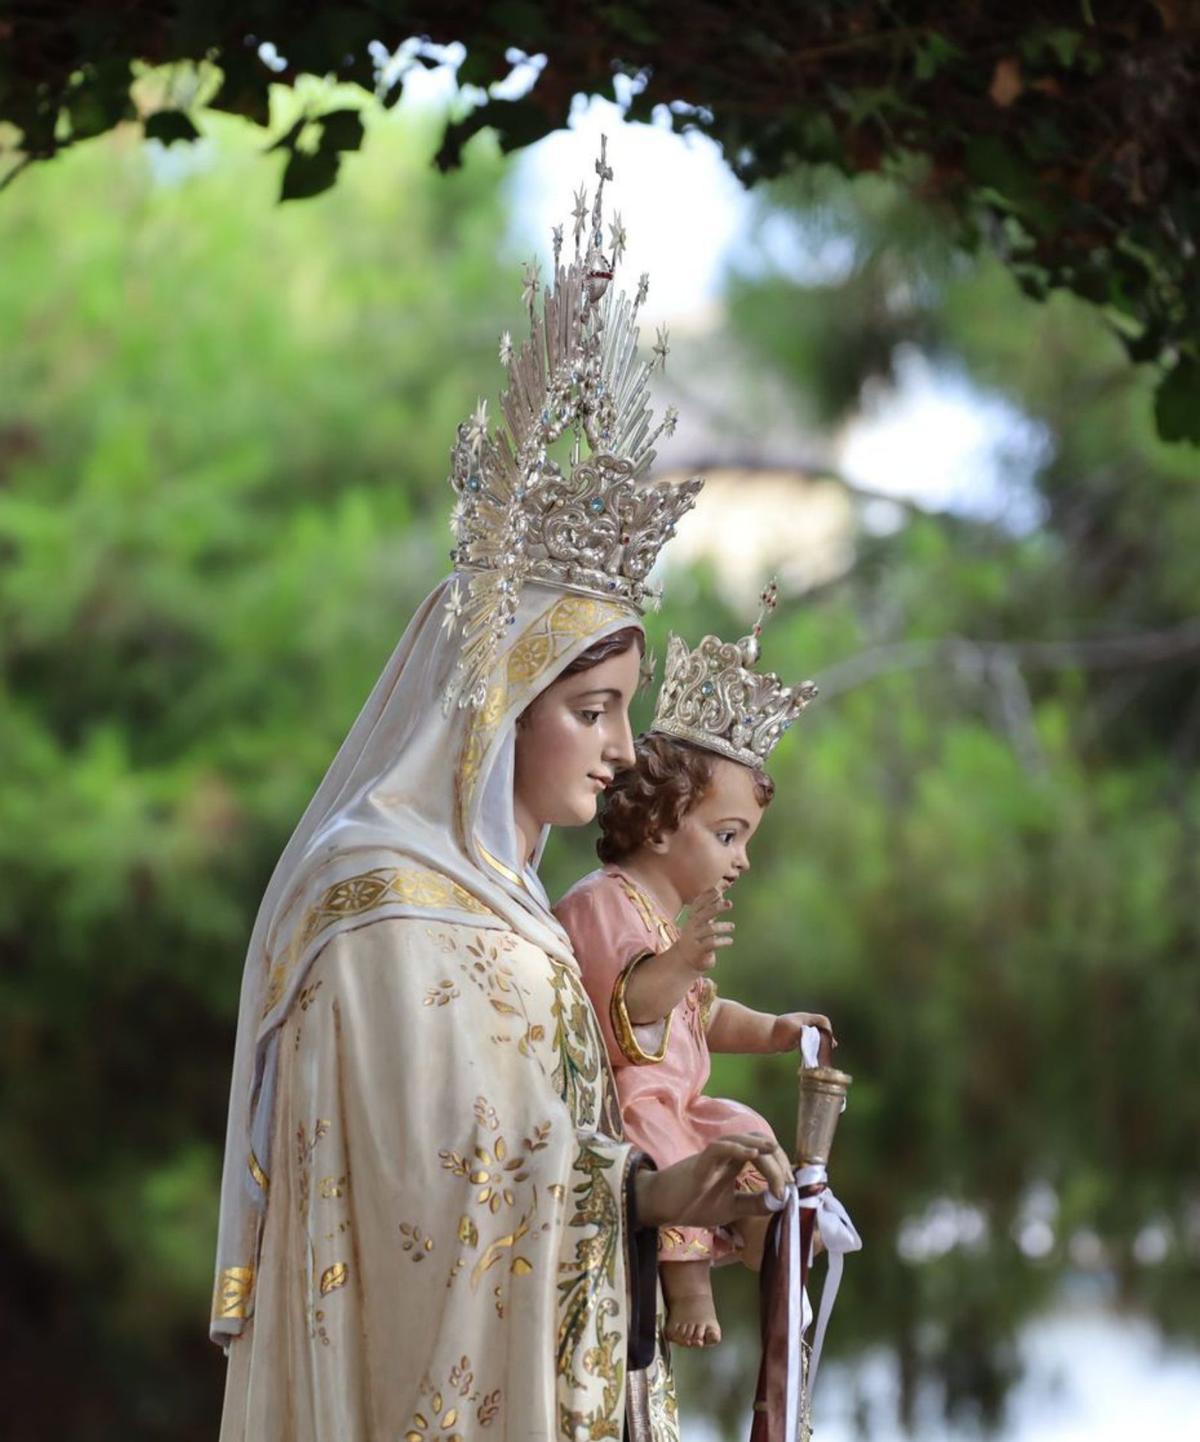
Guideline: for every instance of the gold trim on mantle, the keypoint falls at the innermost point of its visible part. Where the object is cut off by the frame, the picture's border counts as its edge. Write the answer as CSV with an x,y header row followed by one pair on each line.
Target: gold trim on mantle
x,y
415,886
497,865
256,1171
653,919
234,1288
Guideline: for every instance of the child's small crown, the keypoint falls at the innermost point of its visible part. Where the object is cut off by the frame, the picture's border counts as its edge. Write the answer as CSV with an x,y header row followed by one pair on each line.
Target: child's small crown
x,y
711,696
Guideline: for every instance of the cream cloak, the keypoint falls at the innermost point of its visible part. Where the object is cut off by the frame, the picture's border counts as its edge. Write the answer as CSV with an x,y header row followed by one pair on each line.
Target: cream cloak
x,y
424,1227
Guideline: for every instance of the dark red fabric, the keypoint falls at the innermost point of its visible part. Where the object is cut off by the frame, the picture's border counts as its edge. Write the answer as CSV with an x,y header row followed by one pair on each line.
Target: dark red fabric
x,y
770,1394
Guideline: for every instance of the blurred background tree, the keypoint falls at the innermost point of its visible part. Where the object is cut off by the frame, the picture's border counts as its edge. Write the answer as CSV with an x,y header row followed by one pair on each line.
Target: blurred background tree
x,y
224,427
998,832
224,430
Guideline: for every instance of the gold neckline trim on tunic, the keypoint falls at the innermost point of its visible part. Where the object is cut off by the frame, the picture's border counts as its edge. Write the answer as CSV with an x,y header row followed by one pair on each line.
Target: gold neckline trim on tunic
x,y
654,919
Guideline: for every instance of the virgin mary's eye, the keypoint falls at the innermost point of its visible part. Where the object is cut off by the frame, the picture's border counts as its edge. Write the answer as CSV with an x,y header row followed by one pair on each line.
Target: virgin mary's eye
x,y
591,717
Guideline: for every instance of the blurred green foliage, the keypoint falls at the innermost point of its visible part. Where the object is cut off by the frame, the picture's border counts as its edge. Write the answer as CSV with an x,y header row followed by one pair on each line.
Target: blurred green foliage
x,y
224,428
997,911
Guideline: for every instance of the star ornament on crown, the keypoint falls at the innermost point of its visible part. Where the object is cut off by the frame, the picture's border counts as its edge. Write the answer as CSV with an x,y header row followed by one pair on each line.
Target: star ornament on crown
x,y
596,525
713,698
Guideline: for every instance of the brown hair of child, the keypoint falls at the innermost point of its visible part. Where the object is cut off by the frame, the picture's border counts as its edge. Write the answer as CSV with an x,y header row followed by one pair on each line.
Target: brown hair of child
x,y
668,779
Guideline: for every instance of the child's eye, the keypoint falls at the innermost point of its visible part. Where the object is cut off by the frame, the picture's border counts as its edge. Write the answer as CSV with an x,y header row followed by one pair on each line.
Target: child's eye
x,y
725,837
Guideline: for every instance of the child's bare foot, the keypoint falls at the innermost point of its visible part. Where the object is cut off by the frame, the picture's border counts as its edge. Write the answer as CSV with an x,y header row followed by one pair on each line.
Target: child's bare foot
x,y
692,1322
691,1314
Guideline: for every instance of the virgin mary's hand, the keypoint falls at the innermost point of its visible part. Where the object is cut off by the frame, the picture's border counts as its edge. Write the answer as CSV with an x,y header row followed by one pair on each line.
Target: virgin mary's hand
x,y
700,1192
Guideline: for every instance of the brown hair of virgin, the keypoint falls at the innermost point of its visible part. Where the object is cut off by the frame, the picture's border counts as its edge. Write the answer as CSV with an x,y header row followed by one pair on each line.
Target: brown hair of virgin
x,y
616,643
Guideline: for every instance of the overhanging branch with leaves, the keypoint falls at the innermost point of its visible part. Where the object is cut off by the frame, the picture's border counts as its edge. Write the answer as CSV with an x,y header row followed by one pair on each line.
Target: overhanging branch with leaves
x,y
1066,135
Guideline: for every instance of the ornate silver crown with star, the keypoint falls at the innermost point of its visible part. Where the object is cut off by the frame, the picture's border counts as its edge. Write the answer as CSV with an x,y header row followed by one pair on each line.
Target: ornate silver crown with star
x,y
592,524
711,697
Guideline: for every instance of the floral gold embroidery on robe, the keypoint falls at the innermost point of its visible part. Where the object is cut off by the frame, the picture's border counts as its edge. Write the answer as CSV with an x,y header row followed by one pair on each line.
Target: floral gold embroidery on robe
x,y
483,1215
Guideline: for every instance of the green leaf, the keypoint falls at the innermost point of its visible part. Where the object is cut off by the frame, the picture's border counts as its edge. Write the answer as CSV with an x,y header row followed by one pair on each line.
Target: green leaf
x,y
628,20
931,53
999,167
101,100
1177,403
341,130
520,17
482,66
1061,43
287,141
1065,44
168,126
308,175
516,123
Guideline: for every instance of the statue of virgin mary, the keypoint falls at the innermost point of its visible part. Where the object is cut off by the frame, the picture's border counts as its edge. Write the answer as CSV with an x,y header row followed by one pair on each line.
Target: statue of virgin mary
x,y
431,1226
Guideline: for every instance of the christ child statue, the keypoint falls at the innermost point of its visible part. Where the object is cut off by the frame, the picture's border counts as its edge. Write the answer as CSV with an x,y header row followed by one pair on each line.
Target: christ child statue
x,y
675,833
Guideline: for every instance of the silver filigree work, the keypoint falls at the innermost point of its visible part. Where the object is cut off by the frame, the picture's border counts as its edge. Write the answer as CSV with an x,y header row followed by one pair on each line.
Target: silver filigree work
x,y
713,698
593,523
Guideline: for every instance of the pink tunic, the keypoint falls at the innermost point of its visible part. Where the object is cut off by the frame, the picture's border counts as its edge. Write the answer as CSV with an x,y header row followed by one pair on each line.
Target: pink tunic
x,y
660,1068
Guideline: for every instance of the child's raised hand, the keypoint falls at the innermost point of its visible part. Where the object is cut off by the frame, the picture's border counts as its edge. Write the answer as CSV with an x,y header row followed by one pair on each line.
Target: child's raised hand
x,y
702,933
785,1033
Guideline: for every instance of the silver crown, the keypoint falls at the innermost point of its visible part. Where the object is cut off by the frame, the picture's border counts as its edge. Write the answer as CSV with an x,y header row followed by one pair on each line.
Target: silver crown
x,y
596,529
712,697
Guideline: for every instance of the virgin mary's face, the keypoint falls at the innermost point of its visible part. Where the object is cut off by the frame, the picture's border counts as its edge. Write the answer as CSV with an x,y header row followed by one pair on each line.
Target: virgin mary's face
x,y
570,743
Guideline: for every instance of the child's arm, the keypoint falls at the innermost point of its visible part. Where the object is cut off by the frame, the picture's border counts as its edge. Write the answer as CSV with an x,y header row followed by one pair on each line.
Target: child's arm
x,y
735,1028
659,983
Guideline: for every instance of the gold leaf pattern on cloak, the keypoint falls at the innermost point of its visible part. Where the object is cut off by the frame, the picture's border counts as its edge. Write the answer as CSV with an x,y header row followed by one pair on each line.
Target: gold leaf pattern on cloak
x,y
450,1406
487,964
415,886
486,1115
256,1171
497,1170
334,1277
416,1241
331,1187
445,991
234,1287
305,1147
495,1251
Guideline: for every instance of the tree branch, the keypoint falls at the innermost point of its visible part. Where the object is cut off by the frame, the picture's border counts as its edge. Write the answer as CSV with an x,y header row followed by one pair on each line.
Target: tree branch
x,y
1115,653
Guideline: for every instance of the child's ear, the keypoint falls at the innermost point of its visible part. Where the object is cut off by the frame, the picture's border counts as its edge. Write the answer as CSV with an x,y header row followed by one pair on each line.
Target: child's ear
x,y
658,843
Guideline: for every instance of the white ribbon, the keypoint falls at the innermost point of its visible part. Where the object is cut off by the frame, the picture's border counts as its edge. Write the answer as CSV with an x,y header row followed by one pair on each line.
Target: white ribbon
x,y
839,1236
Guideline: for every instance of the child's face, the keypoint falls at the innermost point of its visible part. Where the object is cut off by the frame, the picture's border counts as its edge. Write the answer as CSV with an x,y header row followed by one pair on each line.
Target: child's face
x,y
708,848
